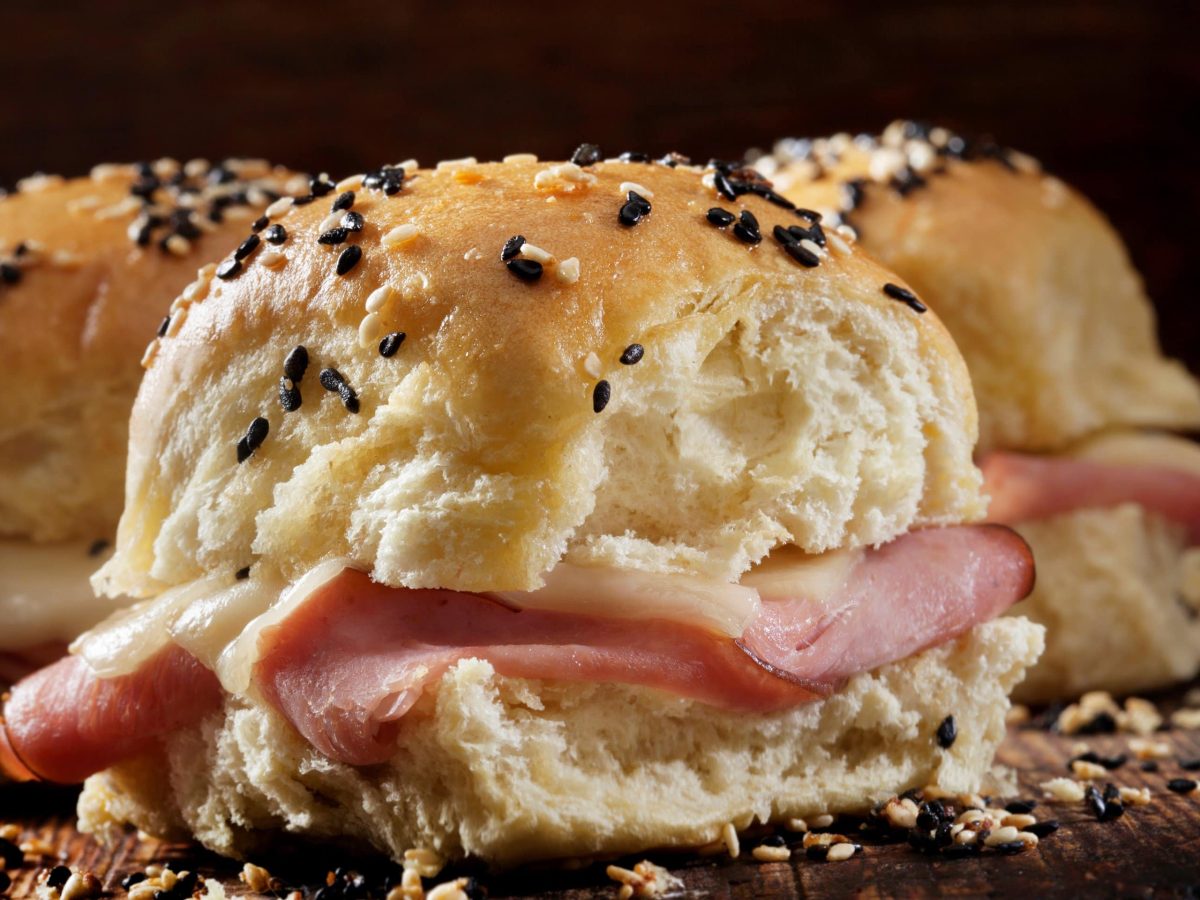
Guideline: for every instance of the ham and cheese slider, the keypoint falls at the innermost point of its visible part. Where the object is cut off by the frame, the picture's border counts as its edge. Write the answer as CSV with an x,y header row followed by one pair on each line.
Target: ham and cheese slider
x,y
88,267
1074,393
531,509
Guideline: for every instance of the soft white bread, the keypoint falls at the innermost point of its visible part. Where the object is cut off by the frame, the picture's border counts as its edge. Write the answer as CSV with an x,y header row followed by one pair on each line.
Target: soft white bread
x,y
510,770
1032,281
80,296
775,403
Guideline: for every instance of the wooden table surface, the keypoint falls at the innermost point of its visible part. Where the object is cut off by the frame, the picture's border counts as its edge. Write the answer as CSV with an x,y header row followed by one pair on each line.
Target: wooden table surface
x,y
1151,851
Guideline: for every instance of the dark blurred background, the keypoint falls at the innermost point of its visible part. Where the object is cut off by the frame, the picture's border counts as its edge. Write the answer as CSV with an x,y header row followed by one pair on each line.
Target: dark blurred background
x,y
1106,93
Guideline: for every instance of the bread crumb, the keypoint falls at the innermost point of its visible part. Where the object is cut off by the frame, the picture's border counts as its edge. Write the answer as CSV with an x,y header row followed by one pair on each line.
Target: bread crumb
x,y
1088,771
1132,796
644,880
1066,789
255,877
1186,718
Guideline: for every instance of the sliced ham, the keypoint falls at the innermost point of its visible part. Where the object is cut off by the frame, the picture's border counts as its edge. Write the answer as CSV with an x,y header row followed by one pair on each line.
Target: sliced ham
x,y
63,722
348,665
353,657
1027,488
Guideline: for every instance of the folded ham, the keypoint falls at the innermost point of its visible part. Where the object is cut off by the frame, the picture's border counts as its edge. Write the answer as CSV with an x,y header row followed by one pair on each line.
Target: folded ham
x,y
350,661
1026,488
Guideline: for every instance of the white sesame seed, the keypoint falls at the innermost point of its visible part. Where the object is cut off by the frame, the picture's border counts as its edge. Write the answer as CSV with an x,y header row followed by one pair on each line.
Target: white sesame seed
x,y
241,213
272,258
194,168
1066,789
837,241
1089,771
1186,718
110,171
1028,838
400,235
279,207
1019,820
1003,835
840,852
351,183
563,177
822,821
177,320
379,297
634,186
409,165
455,163
91,201
520,158
1147,748
537,254
568,270
151,352
730,837
121,208
763,853
797,825
333,220
1132,796
591,365
179,245
901,813
812,247
368,329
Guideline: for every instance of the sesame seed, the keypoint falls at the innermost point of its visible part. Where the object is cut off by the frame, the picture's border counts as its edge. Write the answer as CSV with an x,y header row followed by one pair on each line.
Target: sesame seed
x,y
391,343
512,247
1044,828
632,355
368,329
279,207
634,210
176,244
332,380
229,269
353,221
1182,785
242,574
379,298
904,296
255,434
97,547
246,247
720,217
840,852
520,158
320,187
627,186
947,733
400,235
747,229
259,224
348,259
525,269
289,394
811,214
537,254
163,326
601,394
724,188
343,201
272,259
586,155
296,363
568,270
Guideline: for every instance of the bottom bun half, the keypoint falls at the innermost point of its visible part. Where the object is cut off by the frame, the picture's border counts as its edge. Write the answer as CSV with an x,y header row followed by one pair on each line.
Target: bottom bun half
x,y
511,770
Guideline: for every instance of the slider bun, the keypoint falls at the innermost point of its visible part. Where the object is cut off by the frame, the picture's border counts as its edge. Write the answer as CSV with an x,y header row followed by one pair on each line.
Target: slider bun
x,y
775,403
510,770
1119,593
72,332
1032,281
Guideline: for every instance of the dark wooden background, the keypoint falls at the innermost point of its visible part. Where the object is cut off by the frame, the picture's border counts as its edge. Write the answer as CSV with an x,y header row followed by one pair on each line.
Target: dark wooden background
x,y
1105,92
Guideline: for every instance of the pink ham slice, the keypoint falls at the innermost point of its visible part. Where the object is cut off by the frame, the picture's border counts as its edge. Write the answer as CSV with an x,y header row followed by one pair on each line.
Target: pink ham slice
x,y
1027,488
348,665
63,723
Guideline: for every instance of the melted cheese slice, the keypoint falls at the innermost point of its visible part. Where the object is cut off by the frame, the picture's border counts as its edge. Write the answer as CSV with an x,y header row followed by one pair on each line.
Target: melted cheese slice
x,y
1137,448
45,594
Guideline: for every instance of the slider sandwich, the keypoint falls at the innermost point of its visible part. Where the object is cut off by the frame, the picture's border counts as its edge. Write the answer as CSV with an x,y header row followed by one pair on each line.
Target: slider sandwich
x,y
534,509
88,267
1076,400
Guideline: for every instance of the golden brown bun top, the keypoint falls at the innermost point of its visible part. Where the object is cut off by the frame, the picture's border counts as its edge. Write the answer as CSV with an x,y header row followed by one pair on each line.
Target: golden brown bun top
x,y
1032,281
774,402
88,267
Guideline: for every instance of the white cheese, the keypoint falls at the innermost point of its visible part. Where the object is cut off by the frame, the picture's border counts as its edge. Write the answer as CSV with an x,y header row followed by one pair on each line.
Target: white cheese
x,y
45,594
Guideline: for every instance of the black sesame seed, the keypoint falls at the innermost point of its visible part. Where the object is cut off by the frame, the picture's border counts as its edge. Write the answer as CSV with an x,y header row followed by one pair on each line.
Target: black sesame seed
x,y
852,194
747,228
98,547
960,851
332,380
348,259
303,200
391,343
1150,765
276,234
525,269
802,255
289,395
296,363
353,221
810,214
633,156
336,235
1095,802
1101,723
586,155
259,224
1008,848
783,235
632,354
816,852
242,574
1189,765
512,247
163,326
904,296
947,733
320,188
1021,807
248,246
253,438
132,878
343,201
722,218
1181,785
5,881
601,394
724,188
229,268
11,854
58,877
635,209
1044,828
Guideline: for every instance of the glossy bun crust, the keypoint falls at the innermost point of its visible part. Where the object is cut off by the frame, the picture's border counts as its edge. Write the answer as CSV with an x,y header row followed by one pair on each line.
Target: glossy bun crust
x,y
774,402
1032,281
79,298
